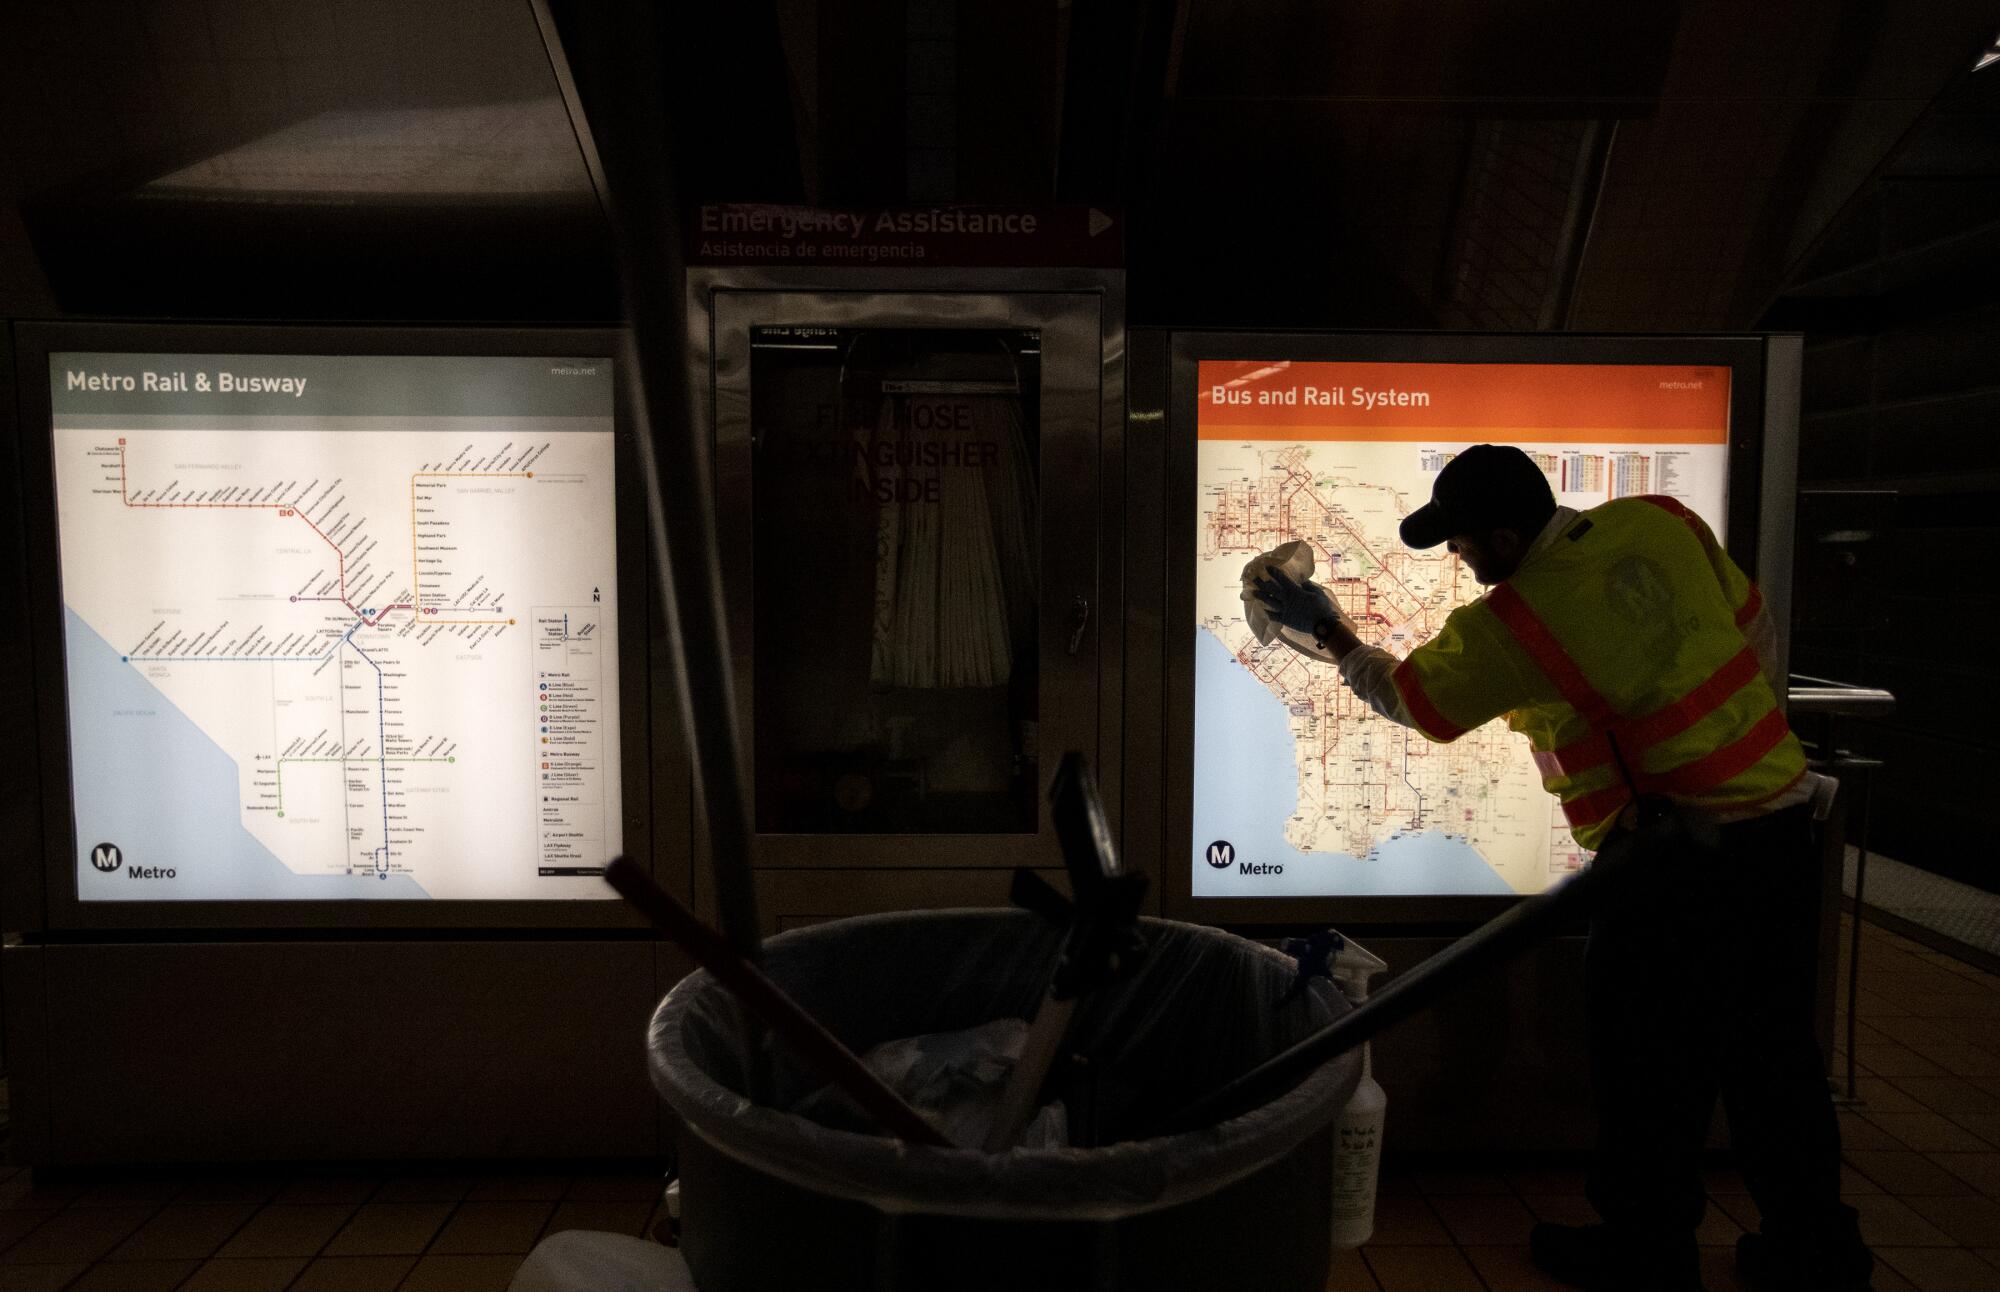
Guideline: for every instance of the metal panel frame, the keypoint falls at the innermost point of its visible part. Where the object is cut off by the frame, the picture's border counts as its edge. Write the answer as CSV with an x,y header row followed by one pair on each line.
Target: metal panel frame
x,y
1777,534
21,881
1149,515
1081,316
64,911
1745,539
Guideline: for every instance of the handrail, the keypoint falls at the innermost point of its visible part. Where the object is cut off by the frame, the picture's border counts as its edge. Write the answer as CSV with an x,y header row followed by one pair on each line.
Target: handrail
x,y
1840,699
1832,699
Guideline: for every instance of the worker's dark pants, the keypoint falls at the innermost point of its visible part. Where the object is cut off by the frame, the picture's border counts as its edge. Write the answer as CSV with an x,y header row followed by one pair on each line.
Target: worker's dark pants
x,y
1701,982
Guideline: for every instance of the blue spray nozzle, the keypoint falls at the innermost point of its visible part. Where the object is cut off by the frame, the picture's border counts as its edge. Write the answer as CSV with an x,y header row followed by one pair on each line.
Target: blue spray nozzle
x,y
1314,959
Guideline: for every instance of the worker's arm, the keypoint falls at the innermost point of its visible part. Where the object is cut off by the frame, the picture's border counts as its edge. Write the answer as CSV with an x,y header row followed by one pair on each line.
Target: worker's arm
x,y
1370,672
1367,670
1305,607
1458,680
1466,675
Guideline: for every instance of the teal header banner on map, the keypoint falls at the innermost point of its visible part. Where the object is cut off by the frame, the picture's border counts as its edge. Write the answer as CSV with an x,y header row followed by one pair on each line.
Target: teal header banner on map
x,y
237,385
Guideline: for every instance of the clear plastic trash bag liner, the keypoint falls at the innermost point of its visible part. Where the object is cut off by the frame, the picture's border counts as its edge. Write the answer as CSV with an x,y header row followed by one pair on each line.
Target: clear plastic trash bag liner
x,y
1200,1008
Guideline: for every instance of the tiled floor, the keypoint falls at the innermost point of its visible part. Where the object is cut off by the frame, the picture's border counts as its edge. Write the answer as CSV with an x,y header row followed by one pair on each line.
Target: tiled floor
x,y
334,1233
1922,1150
1923,1167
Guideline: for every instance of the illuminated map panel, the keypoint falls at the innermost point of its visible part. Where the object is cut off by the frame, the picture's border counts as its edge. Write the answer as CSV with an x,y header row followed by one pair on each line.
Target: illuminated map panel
x,y
338,627
1299,788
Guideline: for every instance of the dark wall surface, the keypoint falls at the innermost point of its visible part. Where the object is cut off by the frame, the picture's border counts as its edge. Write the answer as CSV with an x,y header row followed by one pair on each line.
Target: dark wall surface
x,y
1660,167
1544,165
1901,308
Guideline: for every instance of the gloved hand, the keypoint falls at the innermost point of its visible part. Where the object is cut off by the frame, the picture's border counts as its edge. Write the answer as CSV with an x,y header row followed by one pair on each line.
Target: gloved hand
x,y
1299,606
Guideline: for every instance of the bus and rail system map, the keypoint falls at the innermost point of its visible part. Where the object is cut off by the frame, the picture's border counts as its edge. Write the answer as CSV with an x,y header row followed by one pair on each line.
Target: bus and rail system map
x,y
338,627
1299,788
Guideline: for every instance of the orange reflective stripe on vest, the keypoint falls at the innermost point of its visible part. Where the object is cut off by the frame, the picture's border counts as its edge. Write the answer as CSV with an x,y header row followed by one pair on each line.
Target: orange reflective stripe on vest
x,y
1692,779
1549,656
1636,736
1748,610
1626,637
1594,809
1557,665
1426,714
1727,763
1640,734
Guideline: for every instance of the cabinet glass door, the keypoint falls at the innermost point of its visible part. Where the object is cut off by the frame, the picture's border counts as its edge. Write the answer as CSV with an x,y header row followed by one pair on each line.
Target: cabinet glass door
x,y
895,502
908,521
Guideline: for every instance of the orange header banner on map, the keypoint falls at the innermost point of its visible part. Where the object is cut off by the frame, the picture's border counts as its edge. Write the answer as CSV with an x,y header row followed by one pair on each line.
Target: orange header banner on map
x,y
1519,402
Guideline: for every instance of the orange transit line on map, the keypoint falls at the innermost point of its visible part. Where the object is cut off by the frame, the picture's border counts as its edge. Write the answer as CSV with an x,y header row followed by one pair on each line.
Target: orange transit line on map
x,y
1463,402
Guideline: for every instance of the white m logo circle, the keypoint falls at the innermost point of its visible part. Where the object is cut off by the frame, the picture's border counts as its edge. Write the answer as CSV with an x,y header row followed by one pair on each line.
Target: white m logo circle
x,y
1221,854
106,857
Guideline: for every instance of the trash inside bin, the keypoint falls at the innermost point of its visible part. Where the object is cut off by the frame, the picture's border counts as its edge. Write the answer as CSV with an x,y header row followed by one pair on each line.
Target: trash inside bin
x,y
774,1200
954,1078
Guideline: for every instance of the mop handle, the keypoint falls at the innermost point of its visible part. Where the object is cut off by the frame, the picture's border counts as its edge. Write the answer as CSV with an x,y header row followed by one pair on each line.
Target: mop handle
x,y
1102,942
1630,860
820,1049
1494,941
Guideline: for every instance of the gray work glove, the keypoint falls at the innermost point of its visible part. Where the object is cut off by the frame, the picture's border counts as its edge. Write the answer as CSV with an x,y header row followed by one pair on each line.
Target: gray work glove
x,y
1301,606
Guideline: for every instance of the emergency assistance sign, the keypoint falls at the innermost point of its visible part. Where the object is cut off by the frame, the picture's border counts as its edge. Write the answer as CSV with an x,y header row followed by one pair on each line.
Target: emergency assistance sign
x,y
944,236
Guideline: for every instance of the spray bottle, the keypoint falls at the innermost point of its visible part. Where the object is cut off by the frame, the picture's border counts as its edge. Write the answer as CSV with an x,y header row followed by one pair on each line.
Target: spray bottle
x,y
1357,1137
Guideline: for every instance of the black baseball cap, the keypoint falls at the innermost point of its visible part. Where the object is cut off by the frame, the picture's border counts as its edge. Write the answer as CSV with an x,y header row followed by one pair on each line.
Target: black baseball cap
x,y
1488,486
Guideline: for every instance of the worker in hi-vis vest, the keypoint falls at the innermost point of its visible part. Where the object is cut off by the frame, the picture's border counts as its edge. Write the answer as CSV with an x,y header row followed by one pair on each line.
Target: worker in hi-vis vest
x,y
1637,658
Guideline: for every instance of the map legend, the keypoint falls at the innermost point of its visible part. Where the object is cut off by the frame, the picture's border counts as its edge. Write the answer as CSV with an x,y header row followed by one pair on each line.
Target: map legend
x,y
1631,474
1582,473
1671,474
570,761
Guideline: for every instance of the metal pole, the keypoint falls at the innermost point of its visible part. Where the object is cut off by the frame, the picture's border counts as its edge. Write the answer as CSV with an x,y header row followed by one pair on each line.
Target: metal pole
x,y
629,123
1864,766
1492,943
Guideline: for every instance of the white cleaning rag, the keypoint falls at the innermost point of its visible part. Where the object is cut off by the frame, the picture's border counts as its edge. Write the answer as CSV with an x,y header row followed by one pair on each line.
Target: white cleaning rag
x,y
1296,560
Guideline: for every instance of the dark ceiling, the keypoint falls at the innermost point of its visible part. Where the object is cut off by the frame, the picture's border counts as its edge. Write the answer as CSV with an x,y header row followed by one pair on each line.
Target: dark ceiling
x,y
1398,163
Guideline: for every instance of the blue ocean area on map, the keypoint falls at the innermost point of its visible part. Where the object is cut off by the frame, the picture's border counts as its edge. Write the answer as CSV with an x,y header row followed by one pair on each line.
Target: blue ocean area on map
x,y
153,784
1246,788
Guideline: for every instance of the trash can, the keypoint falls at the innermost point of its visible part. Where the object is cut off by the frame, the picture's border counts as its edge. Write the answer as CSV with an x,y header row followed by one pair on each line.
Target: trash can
x,y
771,1200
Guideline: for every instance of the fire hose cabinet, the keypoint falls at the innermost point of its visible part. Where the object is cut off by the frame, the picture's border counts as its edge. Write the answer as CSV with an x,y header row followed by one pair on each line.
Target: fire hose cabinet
x,y
917,427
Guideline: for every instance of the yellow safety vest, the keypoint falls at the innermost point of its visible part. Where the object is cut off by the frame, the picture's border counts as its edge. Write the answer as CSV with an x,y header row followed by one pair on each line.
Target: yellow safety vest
x,y
1628,626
